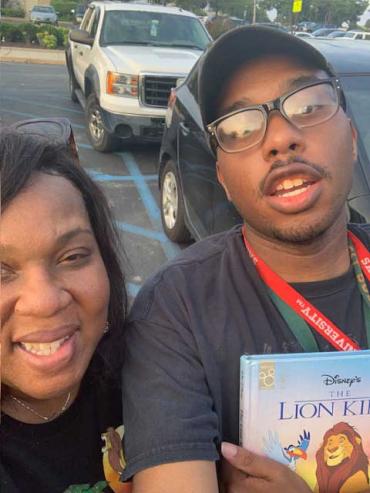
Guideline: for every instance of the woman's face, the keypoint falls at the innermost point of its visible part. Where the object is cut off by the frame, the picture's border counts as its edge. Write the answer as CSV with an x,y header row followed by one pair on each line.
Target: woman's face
x,y
55,289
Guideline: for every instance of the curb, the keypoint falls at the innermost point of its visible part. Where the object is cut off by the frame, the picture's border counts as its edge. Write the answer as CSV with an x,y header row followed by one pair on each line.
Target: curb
x,y
29,55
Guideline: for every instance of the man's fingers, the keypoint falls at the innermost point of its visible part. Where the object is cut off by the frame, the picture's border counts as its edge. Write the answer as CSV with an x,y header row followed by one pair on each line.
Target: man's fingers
x,y
248,462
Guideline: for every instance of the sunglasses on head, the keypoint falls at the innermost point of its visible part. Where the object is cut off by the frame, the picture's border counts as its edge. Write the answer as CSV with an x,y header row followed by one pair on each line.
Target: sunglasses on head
x,y
310,104
56,129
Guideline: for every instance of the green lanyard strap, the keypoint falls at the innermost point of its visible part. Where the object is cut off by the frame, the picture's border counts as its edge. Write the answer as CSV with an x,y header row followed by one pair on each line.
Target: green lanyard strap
x,y
302,331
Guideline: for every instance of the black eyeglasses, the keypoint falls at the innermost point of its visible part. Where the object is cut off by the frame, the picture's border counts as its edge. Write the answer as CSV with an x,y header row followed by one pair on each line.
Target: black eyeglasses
x,y
309,105
55,129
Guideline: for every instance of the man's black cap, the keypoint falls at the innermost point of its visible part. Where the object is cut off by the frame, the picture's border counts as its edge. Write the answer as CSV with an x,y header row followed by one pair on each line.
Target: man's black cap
x,y
237,47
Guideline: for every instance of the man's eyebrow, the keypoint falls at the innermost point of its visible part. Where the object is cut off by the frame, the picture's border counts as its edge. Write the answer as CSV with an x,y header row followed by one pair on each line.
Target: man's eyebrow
x,y
61,240
297,82
289,85
237,105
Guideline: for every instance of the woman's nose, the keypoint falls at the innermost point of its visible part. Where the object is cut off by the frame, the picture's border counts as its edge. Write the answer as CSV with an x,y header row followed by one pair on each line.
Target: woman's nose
x,y
42,295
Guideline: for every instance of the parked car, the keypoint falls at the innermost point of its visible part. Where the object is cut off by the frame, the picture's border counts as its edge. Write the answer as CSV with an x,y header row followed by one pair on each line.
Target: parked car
x,y
336,34
324,31
362,35
78,13
193,203
303,34
308,26
44,13
122,64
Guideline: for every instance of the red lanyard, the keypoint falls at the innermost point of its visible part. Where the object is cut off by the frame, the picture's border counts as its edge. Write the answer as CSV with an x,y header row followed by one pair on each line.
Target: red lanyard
x,y
304,308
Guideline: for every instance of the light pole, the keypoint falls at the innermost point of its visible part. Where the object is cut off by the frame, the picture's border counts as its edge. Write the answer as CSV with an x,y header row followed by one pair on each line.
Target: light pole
x,y
254,11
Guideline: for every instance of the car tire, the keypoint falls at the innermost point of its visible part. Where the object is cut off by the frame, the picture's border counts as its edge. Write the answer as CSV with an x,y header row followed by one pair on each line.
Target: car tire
x,y
72,86
172,205
99,137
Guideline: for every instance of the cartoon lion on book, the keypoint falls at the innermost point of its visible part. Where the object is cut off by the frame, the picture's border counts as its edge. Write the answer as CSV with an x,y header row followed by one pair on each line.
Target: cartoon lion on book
x,y
342,465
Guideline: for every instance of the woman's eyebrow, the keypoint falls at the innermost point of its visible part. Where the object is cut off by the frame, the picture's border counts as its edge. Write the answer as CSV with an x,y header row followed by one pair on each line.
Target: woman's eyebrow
x,y
69,235
63,239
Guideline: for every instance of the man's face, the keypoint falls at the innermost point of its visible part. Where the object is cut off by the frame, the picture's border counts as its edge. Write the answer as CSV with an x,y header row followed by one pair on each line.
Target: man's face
x,y
293,185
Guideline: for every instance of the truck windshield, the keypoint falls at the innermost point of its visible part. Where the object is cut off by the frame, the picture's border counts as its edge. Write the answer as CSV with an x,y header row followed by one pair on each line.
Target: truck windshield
x,y
153,28
357,91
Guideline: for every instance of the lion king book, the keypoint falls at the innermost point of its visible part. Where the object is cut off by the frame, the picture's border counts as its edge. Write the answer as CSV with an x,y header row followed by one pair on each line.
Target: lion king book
x,y
311,412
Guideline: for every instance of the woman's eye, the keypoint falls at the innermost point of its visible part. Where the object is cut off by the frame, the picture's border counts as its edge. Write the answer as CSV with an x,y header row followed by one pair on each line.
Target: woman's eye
x,y
6,273
75,258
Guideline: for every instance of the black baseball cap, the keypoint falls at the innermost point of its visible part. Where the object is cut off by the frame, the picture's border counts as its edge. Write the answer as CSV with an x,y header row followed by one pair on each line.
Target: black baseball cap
x,y
237,47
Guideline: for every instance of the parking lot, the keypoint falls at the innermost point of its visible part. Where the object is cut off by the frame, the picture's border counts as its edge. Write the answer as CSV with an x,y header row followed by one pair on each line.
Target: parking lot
x,y
128,177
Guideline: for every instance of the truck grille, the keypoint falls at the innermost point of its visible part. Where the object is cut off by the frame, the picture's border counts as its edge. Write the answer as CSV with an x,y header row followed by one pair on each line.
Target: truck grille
x,y
156,90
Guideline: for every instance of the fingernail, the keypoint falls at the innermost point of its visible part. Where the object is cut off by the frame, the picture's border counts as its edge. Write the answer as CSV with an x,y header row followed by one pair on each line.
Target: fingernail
x,y
228,450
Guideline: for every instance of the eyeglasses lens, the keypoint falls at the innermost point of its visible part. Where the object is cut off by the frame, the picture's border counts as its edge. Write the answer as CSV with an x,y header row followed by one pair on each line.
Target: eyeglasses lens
x,y
312,105
307,107
241,130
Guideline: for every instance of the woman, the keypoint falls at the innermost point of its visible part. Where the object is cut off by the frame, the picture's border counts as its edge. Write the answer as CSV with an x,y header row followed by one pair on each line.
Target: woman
x,y
63,305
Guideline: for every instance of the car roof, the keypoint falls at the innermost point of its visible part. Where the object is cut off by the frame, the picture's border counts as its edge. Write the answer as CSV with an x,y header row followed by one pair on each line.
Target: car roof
x,y
144,7
346,58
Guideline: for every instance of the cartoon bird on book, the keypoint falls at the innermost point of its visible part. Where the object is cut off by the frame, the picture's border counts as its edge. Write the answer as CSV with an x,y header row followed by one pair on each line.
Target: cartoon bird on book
x,y
287,455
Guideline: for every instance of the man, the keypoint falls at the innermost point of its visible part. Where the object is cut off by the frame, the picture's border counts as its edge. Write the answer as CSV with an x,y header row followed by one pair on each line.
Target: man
x,y
285,156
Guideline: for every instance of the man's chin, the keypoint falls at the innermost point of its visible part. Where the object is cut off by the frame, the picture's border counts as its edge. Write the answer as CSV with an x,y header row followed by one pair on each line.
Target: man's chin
x,y
304,232
301,235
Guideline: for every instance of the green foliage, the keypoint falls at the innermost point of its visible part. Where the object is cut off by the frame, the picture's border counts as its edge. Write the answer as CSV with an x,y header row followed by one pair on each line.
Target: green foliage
x,y
321,11
64,8
47,40
12,12
11,32
44,35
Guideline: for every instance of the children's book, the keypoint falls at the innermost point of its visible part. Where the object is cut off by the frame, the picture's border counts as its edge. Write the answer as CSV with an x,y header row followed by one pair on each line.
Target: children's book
x,y
311,412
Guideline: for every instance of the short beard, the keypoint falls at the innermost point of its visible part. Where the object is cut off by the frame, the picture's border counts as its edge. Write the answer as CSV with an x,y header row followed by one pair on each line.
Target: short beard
x,y
302,234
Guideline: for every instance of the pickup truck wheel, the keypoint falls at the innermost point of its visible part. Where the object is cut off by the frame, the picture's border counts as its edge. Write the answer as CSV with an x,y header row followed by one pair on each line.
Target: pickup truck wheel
x,y
100,139
72,87
172,205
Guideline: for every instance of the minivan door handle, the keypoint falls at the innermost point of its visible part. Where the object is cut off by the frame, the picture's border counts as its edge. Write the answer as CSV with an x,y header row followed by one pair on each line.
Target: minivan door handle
x,y
185,129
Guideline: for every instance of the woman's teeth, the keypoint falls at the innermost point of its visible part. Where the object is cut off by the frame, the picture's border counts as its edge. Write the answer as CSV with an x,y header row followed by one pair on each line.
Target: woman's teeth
x,y
43,348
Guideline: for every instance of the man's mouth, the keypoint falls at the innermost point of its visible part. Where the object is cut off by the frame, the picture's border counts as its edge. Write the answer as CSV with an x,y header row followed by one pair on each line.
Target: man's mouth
x,y
43,348
290,187
293,188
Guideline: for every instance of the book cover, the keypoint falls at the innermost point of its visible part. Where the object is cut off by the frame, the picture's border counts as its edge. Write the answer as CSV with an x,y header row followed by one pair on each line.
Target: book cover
x,y
310,412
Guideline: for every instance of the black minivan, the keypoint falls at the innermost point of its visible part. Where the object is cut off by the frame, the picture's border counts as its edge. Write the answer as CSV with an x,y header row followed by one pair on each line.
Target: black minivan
x,y
193,204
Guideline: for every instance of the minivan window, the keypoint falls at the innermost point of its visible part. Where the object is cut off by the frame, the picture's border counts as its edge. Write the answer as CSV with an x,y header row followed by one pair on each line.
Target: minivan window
x,y
357,91
153,28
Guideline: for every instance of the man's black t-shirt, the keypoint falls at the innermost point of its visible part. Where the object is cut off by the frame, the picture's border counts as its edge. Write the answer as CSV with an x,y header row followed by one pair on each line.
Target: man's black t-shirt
x,y
189,326
66,454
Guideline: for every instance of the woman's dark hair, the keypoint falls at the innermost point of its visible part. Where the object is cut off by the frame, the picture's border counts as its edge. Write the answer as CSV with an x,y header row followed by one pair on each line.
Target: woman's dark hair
x,y
21,155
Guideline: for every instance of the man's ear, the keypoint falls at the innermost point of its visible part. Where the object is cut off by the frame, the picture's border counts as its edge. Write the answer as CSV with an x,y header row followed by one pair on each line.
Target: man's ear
x,y
354,140
222,181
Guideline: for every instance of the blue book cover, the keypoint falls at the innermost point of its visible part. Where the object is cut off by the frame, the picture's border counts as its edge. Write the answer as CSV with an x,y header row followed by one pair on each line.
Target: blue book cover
x,y
311,412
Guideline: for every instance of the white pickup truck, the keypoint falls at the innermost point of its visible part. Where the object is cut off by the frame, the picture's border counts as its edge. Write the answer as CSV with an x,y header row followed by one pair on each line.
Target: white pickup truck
x,y
122,63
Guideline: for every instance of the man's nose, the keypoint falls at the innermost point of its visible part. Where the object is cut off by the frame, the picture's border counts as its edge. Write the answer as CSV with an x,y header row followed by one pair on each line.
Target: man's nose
x,y
282,137
42,295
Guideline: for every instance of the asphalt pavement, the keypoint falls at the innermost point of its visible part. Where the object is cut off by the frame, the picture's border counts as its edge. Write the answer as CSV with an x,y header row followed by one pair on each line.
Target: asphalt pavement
x,y
128,177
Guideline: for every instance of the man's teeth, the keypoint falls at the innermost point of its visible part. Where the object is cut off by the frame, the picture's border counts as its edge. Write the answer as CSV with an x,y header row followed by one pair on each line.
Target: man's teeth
x,y
291,187
43,348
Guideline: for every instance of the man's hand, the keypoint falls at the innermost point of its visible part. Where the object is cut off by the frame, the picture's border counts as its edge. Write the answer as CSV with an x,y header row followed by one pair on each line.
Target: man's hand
x,y
245,472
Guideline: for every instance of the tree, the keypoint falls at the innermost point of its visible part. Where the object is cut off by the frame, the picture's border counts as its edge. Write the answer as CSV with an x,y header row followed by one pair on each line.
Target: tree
x,y
193,5
321,11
